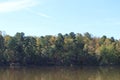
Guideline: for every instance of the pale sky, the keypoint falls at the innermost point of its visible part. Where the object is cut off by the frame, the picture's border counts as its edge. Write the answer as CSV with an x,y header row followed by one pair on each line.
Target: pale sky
x,y
50,17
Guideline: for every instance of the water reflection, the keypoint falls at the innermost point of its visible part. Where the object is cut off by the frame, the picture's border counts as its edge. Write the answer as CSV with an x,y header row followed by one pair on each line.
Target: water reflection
x,y
60,73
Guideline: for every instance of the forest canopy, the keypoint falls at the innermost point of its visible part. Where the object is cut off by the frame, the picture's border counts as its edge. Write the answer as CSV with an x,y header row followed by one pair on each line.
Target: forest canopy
x,y
67,49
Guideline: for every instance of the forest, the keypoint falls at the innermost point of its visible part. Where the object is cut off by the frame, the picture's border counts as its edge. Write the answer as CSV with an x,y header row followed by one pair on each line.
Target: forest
x,y
59,50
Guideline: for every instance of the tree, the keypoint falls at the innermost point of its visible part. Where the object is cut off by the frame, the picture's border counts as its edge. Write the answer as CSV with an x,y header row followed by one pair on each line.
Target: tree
x,y
29,50
2,49
68,49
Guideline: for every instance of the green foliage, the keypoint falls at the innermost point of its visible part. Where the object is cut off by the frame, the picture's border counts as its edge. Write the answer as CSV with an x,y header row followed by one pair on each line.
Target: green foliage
x,y
68,49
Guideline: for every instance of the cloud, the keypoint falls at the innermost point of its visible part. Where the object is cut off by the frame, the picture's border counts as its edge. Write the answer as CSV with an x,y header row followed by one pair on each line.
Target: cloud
x,y
44,15
15,5
38,13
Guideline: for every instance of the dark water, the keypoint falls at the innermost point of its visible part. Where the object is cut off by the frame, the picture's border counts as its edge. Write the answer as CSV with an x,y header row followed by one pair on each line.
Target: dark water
x,y
60,73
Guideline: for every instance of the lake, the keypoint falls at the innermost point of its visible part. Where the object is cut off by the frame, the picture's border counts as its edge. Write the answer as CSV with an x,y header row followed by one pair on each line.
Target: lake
x,y
60,73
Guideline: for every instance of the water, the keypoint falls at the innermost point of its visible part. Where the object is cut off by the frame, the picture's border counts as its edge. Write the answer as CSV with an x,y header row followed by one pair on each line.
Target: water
x,y
60,73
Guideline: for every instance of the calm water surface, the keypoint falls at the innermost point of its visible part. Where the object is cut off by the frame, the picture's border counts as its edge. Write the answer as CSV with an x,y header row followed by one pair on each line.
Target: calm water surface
x,y
60,73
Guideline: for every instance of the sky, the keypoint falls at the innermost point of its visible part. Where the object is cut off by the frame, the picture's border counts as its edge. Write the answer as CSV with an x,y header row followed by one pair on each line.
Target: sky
x,y
50,17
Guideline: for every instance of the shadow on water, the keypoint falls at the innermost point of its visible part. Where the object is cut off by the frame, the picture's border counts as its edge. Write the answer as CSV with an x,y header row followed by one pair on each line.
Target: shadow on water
x,y
60,73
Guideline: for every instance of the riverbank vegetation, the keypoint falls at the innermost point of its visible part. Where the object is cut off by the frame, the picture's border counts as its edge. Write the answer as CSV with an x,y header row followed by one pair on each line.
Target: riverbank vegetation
x,y
67,49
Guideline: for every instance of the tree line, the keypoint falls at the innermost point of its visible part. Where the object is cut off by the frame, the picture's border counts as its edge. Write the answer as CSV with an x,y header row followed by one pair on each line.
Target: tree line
x,y
68,49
